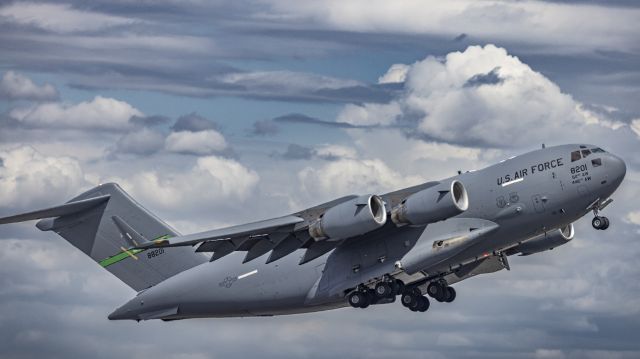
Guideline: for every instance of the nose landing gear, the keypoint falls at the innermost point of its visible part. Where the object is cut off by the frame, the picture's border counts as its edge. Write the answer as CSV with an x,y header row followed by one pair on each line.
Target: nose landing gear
x,y
600,222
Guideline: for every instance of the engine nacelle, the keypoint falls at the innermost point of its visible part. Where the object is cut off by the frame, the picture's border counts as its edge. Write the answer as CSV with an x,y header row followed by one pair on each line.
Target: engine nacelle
x,y
431,205
546,241
349,219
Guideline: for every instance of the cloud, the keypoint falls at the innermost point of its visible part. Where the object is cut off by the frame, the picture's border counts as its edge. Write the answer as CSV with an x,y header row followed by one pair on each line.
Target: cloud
x,y
194,122
370,114
297,152
633,217
530,22
490,78
15,86
199,143
100,113
149,121
29,178
327,152
144,141
481,96
397,73
302,119
264,128
348,176
211,180
61,18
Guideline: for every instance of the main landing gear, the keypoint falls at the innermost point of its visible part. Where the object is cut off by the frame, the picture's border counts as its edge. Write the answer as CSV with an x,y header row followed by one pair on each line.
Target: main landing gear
x,y
410,297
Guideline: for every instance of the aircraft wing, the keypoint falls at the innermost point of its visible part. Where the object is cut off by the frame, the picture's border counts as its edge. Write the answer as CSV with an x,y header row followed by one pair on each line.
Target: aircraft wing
x,y
281,236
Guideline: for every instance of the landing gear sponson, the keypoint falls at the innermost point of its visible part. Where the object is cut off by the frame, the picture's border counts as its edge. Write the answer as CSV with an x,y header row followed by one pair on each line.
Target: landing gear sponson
x,y
411,297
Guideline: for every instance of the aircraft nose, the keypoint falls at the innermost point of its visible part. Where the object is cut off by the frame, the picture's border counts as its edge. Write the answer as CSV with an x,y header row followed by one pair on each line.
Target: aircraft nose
x,y
617,168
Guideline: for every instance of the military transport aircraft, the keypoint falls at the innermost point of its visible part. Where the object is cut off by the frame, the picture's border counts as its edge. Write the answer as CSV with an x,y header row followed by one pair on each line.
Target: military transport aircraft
x,y
356,250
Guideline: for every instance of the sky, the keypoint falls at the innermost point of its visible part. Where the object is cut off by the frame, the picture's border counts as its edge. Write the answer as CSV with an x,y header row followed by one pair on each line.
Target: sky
x,y
215,113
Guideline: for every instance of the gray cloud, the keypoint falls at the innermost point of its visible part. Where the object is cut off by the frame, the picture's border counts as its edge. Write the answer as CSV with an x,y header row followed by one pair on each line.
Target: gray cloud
x,y
490,78
149,121
264,128
194,123
14,86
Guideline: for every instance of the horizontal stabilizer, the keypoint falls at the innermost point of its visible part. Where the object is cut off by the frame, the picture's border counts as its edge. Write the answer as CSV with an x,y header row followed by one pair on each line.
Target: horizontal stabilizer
x,y
57,211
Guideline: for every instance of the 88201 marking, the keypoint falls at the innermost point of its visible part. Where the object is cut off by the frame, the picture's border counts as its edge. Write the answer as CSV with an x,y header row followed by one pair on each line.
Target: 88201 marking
x,y
155,253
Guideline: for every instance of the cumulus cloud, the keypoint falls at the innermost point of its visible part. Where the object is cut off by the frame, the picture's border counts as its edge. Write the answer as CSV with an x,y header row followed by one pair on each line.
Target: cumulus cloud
x,y
212,179
370,114
198,143
397,73
347,176
99,113
144,141
15,86
29,178
482,96
61,18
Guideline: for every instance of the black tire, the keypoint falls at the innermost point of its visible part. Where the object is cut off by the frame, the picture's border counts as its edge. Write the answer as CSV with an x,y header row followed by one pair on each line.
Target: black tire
x,y
357,299
415,305
434,290
452,295
597,222
407,299
398,286
383,290
606,223
424,304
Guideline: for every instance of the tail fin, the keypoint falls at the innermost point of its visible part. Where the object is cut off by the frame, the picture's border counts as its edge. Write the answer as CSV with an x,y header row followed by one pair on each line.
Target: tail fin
x,y
106,223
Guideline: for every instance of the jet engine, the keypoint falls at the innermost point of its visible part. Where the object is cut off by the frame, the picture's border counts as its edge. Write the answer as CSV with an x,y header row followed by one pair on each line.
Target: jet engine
x,y
431,205
545,241
349,219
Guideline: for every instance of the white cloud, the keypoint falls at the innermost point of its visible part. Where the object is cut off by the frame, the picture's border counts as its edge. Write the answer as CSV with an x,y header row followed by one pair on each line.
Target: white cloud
x,y
29,178
349,176
212,179
370,114
397,73
530,22
199,143
633,217
100,113
62,18
483,96
15,86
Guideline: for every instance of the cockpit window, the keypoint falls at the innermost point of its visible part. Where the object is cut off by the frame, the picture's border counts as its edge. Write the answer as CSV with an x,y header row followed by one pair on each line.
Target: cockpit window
x,y
596,162
585,153
597,150
575,156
